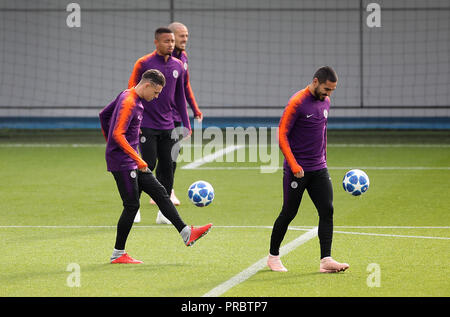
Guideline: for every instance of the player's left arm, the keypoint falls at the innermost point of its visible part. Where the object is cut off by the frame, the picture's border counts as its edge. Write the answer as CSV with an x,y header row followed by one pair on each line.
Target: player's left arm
x,y
190,98
180,102
105,117
125,114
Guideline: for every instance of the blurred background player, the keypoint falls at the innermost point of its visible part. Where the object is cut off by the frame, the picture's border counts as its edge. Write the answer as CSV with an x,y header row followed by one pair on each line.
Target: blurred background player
x,y
303,141
120,123
181,34
157,127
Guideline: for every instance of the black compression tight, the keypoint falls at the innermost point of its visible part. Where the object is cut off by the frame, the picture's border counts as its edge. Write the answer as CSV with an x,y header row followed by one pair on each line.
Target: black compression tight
x,y
319,187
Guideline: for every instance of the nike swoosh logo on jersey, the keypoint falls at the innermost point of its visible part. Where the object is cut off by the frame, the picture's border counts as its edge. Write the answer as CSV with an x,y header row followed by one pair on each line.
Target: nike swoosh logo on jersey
x,y
308,115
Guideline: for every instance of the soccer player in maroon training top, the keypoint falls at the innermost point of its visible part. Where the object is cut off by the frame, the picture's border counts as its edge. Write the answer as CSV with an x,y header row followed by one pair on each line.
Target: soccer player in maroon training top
x,y
303,141
158,137
120,123
181,34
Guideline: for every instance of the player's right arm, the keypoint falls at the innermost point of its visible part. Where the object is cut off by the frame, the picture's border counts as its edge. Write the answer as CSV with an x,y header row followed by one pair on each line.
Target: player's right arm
x,y
136,73
287,120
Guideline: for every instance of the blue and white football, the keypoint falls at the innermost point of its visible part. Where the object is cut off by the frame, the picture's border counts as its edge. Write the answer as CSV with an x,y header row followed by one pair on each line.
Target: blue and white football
x,y
201,193
355,182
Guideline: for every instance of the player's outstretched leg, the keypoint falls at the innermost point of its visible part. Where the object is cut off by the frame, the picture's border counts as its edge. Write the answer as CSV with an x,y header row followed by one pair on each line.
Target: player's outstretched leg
x,y
195,233
150,185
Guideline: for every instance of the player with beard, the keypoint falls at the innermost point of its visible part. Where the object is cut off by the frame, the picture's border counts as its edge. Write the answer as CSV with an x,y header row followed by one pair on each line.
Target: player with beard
x,y
157,127
181,34
303,142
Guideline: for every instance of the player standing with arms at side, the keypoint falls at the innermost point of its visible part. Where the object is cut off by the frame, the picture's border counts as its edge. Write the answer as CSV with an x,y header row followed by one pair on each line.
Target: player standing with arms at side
x,y
120,123
181,33
303,141
156,141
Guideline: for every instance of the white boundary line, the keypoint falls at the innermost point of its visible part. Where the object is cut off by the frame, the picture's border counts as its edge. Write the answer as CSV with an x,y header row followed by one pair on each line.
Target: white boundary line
x,y
293,228
259,265
211,157
230,226
306,228
390,235
393,227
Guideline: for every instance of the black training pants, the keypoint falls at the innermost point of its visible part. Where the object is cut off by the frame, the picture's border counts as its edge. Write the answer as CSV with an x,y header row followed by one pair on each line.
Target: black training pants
x,y
130,185
320,190
156,148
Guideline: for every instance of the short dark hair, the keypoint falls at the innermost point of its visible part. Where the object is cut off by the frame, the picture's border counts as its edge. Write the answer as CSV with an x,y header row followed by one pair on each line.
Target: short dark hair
x,y
161,30
154,76
325,73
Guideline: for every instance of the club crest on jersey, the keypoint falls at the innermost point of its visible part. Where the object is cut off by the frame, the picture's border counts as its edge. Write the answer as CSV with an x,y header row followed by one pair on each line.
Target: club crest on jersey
x,y
294,185
175,73
185,66
325,113
133,174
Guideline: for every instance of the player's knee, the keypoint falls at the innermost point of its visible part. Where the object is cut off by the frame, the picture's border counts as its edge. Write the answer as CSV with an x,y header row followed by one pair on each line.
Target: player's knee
x,y
327,211
165,167
287,214
162,192
132,206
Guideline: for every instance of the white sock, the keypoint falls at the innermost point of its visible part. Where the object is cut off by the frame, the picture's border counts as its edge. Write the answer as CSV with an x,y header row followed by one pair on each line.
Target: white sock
x,y
186,234
116,254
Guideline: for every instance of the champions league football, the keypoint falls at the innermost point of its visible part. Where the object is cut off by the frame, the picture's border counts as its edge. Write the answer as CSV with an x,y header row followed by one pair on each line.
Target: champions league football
x,y
201,193
356,182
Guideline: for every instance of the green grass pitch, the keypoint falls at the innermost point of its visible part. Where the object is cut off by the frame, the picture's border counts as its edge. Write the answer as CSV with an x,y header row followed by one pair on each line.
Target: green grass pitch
x,y
59,208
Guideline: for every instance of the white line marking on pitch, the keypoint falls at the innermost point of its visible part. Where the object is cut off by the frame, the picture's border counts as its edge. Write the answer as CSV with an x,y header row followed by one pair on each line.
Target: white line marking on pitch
x,y
305,228
393,227
390,235
293,228
253,269
211,157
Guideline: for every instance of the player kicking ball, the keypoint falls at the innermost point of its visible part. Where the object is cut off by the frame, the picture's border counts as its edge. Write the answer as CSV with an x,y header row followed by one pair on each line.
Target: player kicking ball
x,y
303,141
120,122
